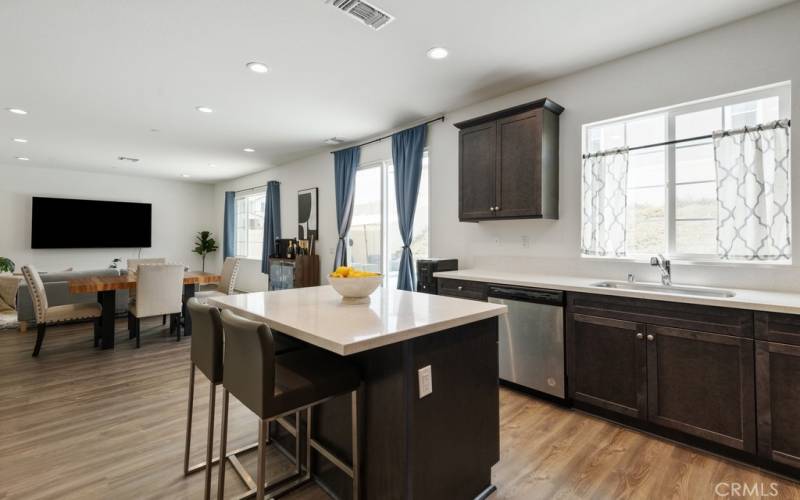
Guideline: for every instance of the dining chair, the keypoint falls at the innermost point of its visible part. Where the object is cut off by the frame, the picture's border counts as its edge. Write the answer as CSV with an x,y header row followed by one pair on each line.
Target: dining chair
x,y
273,386
227,285
159,292
133,264
48,315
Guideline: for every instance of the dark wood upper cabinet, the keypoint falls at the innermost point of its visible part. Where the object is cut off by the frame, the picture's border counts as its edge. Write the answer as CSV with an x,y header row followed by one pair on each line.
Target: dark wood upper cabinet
x,y
508,163
477,161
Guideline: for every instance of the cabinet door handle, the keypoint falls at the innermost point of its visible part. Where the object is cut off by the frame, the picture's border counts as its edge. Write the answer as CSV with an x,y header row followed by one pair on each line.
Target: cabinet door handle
x,y
491,209
460,288
640,335
496,209
650,338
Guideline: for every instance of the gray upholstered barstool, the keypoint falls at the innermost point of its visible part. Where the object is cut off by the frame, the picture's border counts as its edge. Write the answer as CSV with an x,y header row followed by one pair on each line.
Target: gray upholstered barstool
x,y
274,386
206,354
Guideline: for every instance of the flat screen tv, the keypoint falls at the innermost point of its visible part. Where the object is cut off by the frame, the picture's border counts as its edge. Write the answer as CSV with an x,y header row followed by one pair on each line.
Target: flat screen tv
x,y
68,223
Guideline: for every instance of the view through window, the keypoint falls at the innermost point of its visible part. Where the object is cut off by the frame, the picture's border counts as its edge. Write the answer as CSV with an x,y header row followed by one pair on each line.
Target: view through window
x,y
374,239
250,224
671,191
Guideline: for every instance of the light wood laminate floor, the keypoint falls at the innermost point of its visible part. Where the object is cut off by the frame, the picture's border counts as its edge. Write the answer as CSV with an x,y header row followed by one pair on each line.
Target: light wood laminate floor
x,y
82,423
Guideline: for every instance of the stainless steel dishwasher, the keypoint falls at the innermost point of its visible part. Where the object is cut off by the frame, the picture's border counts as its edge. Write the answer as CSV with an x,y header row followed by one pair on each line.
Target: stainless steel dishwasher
x,y
532,338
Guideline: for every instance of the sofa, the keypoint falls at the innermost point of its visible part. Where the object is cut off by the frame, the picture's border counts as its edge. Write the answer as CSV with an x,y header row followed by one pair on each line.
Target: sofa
x,y
57,289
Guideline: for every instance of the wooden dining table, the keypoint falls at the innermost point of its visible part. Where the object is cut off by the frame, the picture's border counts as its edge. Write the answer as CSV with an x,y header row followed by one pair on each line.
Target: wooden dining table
x,y
107,286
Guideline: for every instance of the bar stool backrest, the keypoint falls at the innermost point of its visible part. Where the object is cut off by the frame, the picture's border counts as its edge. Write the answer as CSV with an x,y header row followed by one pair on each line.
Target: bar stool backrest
x,y
206,339
249,362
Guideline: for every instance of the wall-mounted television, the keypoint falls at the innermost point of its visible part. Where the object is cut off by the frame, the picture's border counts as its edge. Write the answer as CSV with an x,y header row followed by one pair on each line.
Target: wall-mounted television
x,y
69,223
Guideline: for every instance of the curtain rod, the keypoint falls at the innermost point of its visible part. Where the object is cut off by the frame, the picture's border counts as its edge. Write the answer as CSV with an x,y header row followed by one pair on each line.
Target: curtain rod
x,y
254,187
666,143
379,139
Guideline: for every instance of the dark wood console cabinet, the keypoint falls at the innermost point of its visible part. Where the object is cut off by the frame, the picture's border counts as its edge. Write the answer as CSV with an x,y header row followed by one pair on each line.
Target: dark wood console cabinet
x,y
508,164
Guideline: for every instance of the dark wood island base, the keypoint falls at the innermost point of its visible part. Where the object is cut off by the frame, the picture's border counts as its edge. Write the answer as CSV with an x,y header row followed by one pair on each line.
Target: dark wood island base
x,y
440,446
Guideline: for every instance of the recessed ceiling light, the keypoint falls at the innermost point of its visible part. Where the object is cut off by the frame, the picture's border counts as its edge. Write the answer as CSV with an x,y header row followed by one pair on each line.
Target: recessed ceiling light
x,y
249,150
437,53
17,111
212,165
333,141
19,139
204,109
22,158
257,67
185,176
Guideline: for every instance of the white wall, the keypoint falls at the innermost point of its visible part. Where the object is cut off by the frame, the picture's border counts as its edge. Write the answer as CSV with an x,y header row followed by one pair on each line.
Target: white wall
x,y
313,171
180,209
756,51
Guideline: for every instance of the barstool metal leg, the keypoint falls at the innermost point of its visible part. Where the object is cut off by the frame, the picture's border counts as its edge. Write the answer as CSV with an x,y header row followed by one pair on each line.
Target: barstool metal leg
x,y
354,438
223,444
308,442
262,458
210,440
189,421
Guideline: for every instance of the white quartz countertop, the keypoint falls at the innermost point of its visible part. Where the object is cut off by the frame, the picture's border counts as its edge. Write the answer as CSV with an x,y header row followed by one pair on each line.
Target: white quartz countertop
x,y
757,300
316,315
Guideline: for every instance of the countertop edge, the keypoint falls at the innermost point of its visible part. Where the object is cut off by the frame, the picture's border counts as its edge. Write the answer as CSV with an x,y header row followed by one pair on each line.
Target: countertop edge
x,y
371,343
567,284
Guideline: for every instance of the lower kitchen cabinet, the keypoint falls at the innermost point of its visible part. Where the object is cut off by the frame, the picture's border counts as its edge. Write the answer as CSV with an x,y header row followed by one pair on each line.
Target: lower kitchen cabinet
x,y
702,384
606,359
778,394
689,369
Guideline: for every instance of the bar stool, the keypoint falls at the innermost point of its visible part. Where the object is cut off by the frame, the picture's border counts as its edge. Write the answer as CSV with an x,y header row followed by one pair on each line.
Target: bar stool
x,y
206,354
274,386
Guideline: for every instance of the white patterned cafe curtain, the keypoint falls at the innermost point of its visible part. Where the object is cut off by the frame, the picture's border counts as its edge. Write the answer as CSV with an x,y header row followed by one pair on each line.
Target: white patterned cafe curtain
x,y
754,192
605,203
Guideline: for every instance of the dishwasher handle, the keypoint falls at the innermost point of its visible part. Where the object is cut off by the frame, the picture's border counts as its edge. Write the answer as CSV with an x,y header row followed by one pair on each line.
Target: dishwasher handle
x,y
536,295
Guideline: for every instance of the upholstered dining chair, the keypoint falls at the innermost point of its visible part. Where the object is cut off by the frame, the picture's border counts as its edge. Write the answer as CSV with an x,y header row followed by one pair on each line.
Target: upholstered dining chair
x,y
227,285
46,315
159,292
133,264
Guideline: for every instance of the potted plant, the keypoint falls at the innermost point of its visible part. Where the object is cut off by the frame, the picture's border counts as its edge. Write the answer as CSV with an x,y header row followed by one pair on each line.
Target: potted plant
x,y
6,265
204,245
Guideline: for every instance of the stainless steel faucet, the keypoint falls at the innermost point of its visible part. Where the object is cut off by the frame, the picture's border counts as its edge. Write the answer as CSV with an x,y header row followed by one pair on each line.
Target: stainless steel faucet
x,y
663,265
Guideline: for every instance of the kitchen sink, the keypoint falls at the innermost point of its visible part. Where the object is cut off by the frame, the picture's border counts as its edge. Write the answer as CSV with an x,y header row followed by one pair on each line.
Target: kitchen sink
x,y
697,291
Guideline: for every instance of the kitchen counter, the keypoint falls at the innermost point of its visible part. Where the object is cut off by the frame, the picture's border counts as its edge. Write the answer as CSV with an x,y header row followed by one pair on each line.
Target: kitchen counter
x,y
316,315
416,441
757,300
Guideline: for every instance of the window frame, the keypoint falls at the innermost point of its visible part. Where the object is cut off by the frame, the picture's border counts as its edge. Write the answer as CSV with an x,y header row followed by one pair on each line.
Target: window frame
x,y
782,90
246,195
384,165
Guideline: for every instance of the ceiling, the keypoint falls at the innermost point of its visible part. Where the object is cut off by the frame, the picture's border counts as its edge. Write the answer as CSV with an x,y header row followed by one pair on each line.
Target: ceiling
x,y
107,78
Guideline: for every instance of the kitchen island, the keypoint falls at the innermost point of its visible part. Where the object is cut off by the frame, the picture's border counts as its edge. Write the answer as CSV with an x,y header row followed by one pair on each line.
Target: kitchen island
x,y
439,445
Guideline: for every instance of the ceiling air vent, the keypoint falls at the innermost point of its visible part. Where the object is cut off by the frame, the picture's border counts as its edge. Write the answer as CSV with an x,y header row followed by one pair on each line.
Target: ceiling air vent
x,y
368,14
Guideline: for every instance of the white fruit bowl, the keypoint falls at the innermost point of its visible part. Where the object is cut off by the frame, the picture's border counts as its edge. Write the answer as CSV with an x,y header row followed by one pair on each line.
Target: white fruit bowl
x,y
355,290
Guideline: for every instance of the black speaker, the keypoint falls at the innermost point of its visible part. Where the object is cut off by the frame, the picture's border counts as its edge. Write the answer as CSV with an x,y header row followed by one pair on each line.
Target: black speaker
x,y
426,283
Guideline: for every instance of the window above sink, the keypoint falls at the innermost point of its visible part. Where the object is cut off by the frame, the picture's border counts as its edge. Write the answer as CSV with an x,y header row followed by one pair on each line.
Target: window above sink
x,y
669,199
